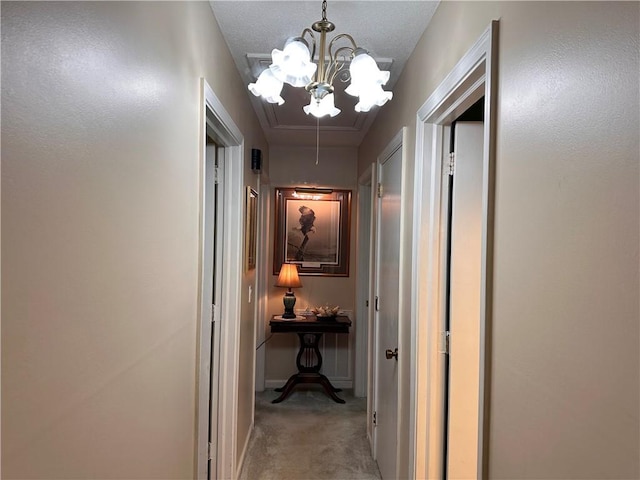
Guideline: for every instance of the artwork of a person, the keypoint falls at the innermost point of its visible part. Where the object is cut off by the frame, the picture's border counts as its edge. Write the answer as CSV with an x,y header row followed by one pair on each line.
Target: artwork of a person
x,y
307,218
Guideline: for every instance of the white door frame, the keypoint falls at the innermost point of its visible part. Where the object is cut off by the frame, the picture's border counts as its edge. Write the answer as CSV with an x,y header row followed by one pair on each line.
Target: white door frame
x,y
262,283
213,115
363,276
473,77
372,171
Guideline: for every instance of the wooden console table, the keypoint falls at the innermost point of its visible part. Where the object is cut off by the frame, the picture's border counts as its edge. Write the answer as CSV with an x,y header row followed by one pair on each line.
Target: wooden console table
x,y
309,360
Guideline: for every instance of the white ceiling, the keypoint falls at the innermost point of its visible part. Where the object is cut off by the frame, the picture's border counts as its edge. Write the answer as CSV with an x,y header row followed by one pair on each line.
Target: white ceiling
x,y
389,30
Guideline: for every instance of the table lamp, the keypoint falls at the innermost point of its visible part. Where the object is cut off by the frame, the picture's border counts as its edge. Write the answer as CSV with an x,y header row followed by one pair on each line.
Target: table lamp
x,y
289,278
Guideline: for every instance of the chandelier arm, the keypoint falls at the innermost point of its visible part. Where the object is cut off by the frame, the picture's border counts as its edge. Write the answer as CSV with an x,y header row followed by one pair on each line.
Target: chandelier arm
x,y
332,70
339,59
340,69
346,52
339,37
336,68
343,52
313,41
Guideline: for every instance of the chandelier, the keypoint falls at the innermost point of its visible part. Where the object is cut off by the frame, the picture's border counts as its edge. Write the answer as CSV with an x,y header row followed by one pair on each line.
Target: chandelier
x,y
295,66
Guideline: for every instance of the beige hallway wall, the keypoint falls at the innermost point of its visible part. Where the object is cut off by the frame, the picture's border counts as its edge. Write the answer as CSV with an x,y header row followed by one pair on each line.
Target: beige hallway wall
x,y
565,331
100,221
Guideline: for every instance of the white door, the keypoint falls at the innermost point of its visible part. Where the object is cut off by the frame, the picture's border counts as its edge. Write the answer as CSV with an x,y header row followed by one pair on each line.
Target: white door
x,y
216,295
464,303
210,305
386,306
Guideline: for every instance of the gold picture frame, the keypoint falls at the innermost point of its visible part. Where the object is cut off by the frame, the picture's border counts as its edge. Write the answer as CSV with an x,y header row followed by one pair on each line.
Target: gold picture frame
x,y
312,230
251,228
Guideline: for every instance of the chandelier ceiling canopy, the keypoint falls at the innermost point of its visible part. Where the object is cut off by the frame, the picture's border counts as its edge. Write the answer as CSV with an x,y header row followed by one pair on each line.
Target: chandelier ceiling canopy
x,y
294,65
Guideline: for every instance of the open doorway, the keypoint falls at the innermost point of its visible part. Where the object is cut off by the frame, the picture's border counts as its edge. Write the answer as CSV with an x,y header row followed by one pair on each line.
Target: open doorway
x,y
472,78
220,265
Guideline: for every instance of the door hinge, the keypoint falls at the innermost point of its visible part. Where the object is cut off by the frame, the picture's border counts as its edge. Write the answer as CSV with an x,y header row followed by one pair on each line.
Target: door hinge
x,y
210,451
215,175
379,190
375,419
366,303
452,163
445,342
213,313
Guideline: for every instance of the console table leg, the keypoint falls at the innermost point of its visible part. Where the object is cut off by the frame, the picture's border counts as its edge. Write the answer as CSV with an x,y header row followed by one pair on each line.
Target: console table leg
x,y
330,389
288,387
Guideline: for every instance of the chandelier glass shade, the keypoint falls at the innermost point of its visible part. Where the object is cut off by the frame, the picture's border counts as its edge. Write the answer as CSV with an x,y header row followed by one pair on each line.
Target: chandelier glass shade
x,y
268,87
294,65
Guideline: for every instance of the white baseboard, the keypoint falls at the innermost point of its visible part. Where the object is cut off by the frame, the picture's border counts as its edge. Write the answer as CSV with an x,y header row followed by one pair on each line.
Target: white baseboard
x,y
244,450
336,382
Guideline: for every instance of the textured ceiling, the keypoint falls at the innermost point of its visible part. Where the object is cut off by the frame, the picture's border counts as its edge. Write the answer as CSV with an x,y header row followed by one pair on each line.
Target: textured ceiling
x,y
389,30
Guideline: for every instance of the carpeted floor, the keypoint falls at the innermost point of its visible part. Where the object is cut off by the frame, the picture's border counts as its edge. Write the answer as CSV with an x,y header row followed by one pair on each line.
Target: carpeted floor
x,y
309,436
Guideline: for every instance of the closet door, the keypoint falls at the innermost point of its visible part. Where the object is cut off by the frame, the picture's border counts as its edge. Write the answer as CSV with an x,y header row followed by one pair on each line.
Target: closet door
x,y
465,303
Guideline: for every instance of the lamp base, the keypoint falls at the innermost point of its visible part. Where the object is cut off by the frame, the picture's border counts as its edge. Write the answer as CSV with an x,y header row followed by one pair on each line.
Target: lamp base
x,y
289,300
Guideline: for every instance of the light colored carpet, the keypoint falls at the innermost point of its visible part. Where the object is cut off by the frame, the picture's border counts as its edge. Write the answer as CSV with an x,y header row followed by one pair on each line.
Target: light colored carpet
x,y
308,436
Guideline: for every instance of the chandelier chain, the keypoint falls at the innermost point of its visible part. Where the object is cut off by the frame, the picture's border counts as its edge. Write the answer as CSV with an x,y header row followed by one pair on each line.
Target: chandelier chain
x,y
324,10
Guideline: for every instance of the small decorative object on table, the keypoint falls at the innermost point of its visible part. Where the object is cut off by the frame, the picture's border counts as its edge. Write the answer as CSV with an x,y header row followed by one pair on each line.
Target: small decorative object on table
x,y
326,312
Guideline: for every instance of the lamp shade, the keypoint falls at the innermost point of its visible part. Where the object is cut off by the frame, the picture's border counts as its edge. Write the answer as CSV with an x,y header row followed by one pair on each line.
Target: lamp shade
x,y
293,64
268,87
372,96
366,83
320,108
363,69
288,276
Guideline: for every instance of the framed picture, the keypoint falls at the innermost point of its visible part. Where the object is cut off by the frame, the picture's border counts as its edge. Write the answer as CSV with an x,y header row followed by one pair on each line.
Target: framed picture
x,y
250,230
312,230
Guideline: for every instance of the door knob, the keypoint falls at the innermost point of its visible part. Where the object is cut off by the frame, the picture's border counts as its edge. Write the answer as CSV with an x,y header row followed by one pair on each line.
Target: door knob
x,y
391,354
